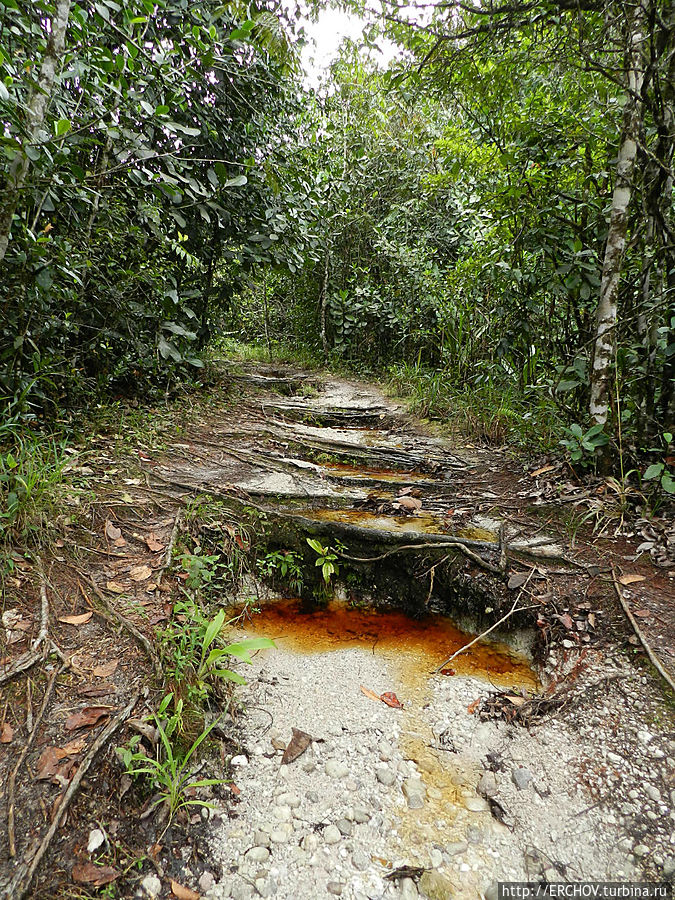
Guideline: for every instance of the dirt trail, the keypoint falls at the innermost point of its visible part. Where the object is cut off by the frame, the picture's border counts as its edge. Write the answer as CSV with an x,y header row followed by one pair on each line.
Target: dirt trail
x,y
545,754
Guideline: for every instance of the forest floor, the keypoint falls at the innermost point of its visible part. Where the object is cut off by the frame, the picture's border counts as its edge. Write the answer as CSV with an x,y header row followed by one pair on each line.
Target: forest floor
x,y
361,761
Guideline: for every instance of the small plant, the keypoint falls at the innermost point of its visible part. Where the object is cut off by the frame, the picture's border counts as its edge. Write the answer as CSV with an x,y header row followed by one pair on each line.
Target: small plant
x,y
660,472
583,446
284,565
327,559
169,771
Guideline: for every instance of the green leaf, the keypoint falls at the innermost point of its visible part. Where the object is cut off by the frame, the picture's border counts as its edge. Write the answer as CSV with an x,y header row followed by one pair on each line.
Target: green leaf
x,y
213,630
653,471
668,483
242,649
238,181
61,126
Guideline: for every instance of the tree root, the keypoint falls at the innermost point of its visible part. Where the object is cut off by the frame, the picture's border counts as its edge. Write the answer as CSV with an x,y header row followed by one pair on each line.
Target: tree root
x,y
643,640
31,737
20,883
125,623
436,545
36,652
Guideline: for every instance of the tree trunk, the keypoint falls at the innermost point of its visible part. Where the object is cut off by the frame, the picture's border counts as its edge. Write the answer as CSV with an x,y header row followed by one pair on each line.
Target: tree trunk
x,y
606,317
37,103
324,305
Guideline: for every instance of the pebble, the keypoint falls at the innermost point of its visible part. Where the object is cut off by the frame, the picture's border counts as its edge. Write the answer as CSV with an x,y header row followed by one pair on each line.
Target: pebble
x,y
241,891
455,848
291,800
360,859
96,838
278,743
282,813
335,769
436,858
344,827
641,850
386,751
281,834
206,881
476,804
331,834
385,776
312,796
361,815
240,760
669,867
522,778
151,886
261,839
652,792
407,889
335,887
310,843
487,786
258,854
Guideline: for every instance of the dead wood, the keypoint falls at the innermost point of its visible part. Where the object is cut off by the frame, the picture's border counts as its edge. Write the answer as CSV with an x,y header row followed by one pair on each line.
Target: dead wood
x,y
169,550
643,640
36,652
20,883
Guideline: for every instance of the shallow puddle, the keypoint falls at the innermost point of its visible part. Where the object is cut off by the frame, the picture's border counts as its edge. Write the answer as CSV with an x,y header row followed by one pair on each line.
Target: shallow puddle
x,y
371,474
364,519
422,644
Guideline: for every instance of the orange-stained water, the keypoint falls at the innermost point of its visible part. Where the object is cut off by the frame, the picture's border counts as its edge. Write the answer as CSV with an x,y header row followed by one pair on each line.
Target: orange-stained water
x,y
365,519
427,642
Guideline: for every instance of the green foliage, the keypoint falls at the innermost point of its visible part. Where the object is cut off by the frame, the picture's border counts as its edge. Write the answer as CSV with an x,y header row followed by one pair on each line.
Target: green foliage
x,y
327,559
583,445
284,566
31,473
662,473
169,772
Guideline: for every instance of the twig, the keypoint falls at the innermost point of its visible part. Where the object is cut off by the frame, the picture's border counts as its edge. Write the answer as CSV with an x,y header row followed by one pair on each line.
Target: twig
x,y
514,608
29,658
23,877
503,549
24,753
169,550
130,627
643,640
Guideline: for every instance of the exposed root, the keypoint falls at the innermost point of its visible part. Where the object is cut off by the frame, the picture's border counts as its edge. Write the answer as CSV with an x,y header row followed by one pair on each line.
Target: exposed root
x,y
643,640
36,652
20,883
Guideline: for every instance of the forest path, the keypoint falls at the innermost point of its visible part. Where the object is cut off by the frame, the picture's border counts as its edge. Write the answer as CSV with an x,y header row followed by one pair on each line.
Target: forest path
x,y
451,785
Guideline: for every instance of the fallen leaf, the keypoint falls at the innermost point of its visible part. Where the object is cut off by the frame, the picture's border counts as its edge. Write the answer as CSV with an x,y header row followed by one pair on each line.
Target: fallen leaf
x,y
370,694
296,746
631,579
115,587
183,893
72,748
48,762
516,699
591,620
234,790
410,503
105,670
86,717
120,542
97,690
6,733
88,873
140,573
112,531
472,707
448,672
153,543
567,621
391,700
541,471
77,620
642,613
516,581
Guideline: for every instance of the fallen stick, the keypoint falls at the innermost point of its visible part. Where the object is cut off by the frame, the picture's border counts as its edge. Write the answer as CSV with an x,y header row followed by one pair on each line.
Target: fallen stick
x,y
169,550
125,623
24,875
29,658
24,753
643,640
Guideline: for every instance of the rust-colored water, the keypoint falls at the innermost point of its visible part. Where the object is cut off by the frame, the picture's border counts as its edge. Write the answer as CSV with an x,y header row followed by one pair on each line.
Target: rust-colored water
x,y
365,519
425,643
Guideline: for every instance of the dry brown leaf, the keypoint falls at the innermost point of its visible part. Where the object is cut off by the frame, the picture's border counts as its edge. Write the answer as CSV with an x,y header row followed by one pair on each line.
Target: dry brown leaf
x,y
115,587
6,733
120,542
105,670
631,579
153,543
472,707
48,762
86,717
541,471
97,690
370,694
140,573
642,613
183,893
72,748
391,700
516,699
517,580
296,746
77,620
567,621
113,532
411,503
89,873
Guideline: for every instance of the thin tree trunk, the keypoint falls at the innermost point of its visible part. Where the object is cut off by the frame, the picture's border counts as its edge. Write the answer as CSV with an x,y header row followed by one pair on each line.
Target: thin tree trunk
x,y
37,108
606,317
324,305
